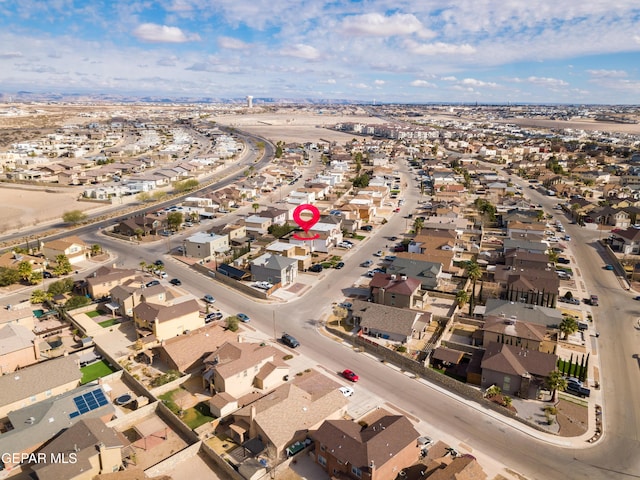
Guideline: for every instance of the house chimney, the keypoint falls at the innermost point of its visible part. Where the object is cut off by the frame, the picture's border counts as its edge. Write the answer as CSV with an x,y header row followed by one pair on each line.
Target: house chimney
x,y
252,414
403,277
393,276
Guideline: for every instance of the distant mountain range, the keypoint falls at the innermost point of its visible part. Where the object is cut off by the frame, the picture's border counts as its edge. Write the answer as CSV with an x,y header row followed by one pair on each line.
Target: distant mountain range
x,y
26,96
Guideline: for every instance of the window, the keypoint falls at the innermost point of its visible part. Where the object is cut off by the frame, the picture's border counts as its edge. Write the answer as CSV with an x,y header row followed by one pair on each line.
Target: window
x,y
322,461
322,448
356,471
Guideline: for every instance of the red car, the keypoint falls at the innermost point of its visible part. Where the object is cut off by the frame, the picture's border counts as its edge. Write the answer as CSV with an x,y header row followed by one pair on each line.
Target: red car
x,y
349,375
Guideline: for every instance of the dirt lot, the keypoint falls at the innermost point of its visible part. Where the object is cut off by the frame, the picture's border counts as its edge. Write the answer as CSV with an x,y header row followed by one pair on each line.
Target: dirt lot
x,y
572,418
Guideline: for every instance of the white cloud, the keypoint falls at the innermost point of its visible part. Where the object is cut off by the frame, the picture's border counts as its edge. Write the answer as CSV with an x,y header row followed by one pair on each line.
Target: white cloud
x,y
378,25
607,73
151,32
331,81
636,38
232,43
301,50
449,79
439,48
478,83
542,81
379,82
422,84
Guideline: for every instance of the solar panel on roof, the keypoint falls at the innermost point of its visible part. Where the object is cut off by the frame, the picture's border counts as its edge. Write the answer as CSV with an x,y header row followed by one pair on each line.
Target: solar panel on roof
x,y
89,401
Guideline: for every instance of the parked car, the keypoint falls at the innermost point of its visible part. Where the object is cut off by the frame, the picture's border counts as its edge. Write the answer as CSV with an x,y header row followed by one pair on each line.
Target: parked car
x,y
212,317
593,300
366,263
608,267
159,263
152,283
563,260
349,375
346,305
393,238
346,391
379,253
263,285
209,298
289,340
366,228
577,390
339,265
175,281
345,245
317,268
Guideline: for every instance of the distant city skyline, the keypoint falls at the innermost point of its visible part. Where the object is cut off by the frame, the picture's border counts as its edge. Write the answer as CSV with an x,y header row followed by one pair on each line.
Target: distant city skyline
x,y
493,51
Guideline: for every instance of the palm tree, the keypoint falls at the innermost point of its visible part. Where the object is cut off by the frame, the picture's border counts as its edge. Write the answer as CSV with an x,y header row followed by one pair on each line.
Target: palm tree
x,y
255,207
474,273
95,249
555,381
418,224
143,266
540,215
462,297
568,325
507,401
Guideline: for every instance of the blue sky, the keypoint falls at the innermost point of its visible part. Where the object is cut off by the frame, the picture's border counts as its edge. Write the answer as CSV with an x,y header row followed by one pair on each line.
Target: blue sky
x,y
568,51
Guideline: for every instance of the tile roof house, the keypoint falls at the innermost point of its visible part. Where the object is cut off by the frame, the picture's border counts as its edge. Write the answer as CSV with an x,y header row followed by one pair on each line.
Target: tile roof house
x,y
238,368
626,241
510,330
34,425
19,348
549,317
396,324
289,412
167,321
101,281
13,260
515,370
96,448
75,249
378,451
186,352
397,291
428,273
274,269
535,286
37,382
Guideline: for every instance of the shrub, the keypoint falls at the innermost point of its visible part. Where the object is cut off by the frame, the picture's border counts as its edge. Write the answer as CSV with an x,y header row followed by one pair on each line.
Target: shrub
x,y
287,357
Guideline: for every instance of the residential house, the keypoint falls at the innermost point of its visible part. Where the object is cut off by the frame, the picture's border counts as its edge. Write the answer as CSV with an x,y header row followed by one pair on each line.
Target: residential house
x,y
428,273
521,259
288,413
19,348
397,291
74,248
13,260
277,215
377,451
140,225
125,297
237,233
274,269
301,253
395,324
258,225
549,317
167,321
31,427
626,241
101,281
186,352
97,449
328,236
206,245
37,382
525,245
533,285
239,368
511,331
515,370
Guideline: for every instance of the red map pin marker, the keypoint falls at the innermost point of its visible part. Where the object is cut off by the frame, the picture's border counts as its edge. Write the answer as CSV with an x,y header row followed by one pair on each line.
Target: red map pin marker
x,y
306,224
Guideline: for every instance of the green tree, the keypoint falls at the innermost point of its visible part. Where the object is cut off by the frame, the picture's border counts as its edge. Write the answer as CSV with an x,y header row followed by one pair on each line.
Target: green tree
x,y
8,276
143,197
256,207
555,381
143,265
77,301
95,249
568,325
418,224
507,401
474,273
279,150
361,181
493,391
63,266
74,217
25,269
279,231
158,195
232,323
174,220
185,185
61,286
35,278
39,296
462,297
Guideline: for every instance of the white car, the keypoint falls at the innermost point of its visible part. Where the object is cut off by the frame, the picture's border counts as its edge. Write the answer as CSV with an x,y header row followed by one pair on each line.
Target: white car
x,y
345,245
263,285
346,391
